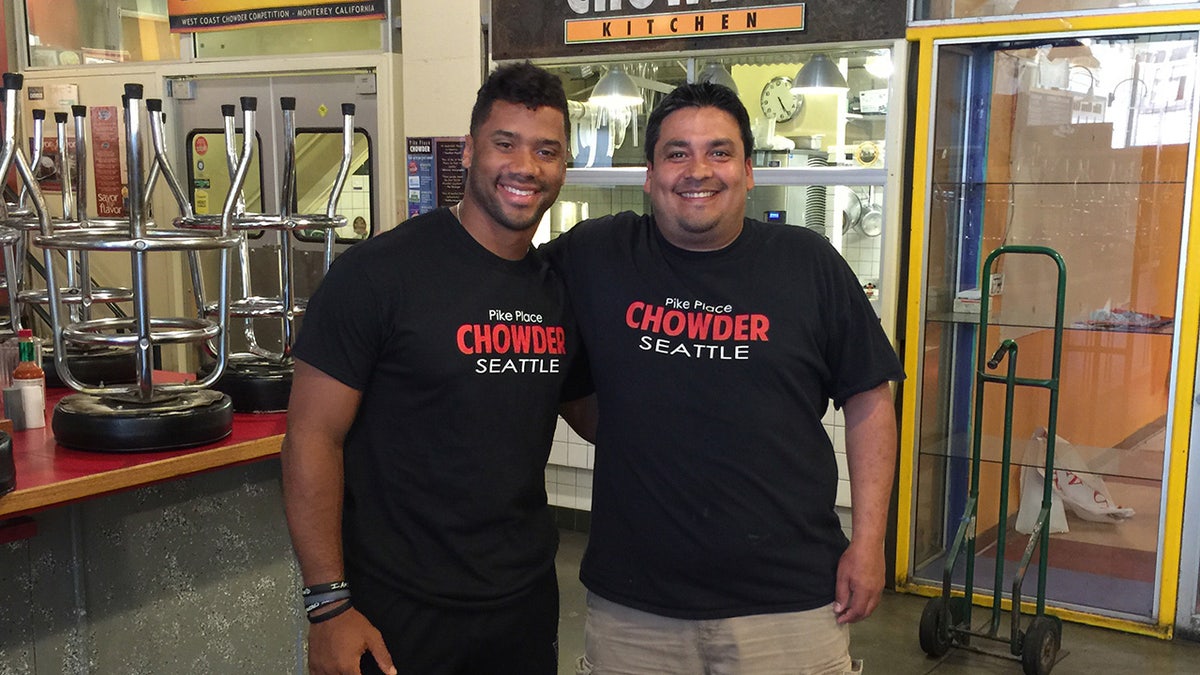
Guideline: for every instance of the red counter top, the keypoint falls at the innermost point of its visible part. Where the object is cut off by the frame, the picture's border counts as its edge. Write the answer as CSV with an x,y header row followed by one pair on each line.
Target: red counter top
x,y
50,475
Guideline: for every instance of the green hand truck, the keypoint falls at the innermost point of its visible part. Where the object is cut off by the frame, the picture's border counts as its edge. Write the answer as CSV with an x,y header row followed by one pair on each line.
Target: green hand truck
x,y
946,619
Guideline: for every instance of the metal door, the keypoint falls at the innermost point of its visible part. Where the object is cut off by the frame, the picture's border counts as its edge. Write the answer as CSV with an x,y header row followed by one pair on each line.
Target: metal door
x,y
196,118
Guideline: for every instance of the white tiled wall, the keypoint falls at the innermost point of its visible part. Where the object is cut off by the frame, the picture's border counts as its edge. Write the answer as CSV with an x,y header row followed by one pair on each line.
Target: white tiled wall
x,y
569,474
602,201
835,426
863,253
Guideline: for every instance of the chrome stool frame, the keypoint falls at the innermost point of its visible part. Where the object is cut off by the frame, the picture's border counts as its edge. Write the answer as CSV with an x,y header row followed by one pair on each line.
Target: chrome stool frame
x,y
78,294
259,380
145,414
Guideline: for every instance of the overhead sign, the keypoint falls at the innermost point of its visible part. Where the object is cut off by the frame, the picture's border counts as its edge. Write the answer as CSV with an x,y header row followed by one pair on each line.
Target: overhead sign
x,y
189,16
536,29
666,26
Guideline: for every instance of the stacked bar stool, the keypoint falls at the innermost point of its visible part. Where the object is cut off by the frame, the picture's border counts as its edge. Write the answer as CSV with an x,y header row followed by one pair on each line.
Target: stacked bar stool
x,y
145,414
15,215
94,363
259,379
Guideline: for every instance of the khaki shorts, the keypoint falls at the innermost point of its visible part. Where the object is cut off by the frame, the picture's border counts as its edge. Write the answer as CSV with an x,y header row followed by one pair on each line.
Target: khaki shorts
x,y
623,641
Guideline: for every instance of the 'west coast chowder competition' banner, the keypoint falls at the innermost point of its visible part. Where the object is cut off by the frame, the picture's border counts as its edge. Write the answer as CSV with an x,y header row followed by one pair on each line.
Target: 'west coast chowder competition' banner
x,y
189,16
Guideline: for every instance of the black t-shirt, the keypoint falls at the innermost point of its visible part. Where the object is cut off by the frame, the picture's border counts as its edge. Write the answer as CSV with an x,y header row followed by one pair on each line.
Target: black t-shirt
x,y
715,481
460,357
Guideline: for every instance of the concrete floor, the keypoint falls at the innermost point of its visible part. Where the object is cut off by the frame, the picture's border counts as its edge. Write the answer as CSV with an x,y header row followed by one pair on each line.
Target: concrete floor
x,y
887,642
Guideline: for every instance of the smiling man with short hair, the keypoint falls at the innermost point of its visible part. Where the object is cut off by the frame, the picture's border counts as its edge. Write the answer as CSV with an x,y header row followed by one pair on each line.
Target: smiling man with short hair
x,y
422,412
716,343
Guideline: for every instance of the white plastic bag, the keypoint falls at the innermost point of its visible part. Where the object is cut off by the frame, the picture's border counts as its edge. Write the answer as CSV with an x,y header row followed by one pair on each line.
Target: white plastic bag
x,y
1075,488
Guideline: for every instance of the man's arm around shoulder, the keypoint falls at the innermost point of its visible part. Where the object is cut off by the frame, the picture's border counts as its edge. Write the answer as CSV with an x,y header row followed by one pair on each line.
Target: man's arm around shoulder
x,y
582,415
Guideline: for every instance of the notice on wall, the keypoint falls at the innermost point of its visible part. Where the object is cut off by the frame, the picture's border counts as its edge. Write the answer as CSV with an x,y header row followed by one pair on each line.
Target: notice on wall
x,y
46,172
54,96
106,163
192,17
436,176
451,176
420,176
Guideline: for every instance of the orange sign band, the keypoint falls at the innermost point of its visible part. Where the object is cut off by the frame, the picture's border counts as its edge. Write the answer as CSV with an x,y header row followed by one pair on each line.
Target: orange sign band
x,y
689,24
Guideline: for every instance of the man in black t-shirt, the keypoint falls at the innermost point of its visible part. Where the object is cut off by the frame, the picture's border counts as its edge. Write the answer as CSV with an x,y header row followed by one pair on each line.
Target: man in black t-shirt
x,y
716,344
429,371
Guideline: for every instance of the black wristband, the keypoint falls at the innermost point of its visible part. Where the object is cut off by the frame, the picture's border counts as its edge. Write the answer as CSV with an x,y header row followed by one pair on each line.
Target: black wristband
x,y
336,611
324,588
313,602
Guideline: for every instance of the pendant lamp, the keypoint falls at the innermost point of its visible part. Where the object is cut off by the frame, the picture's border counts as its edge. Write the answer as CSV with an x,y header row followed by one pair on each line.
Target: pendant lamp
x,y
615,90
819,76
715,72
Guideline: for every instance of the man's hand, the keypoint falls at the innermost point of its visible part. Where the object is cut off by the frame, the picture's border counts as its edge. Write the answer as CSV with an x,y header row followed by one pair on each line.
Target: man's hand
x,y
335,647
860,579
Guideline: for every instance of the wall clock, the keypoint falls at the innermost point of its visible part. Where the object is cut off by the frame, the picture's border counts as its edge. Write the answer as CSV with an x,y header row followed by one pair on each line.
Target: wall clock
x,y
777,100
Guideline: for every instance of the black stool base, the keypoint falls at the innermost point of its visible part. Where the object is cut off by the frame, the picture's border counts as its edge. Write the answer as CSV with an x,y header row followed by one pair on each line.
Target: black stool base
x,y
107,366
86,422
8,468
254,386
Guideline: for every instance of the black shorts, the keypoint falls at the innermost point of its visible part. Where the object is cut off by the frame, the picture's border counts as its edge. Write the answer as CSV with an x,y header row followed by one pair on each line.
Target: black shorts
x,y
520,638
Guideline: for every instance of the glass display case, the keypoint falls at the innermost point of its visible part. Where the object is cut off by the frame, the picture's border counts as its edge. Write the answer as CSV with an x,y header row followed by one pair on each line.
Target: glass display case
x,y
1083,144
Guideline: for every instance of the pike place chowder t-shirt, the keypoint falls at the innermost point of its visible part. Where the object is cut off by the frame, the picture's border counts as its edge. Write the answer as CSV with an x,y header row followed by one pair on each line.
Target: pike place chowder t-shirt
x,y
461,357
714,486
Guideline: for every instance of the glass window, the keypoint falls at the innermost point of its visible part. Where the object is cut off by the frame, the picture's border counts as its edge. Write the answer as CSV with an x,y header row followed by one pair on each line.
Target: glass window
x,y
1080,145
208,172
71,32
962,9
318,153
609,103
795,134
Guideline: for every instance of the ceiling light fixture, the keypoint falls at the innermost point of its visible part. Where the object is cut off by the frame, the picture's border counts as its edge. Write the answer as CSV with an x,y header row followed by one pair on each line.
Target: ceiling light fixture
x,y
715,72
880,65
819,76
616,90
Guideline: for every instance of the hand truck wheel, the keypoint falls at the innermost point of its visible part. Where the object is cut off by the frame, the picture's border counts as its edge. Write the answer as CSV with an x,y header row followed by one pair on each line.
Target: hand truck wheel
x,y
1039,651
935,628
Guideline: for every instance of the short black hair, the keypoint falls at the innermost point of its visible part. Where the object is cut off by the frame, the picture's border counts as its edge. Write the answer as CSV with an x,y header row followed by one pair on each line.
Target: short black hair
x,y
521,83
699,95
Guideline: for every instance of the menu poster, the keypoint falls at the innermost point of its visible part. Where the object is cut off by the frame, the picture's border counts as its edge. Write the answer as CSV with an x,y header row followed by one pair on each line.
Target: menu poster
x,y
451,176
436,176
106,163
47,170
420,176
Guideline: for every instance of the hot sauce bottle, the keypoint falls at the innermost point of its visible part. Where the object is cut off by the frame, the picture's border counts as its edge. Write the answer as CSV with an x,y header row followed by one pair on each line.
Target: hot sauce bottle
x,y
29,378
